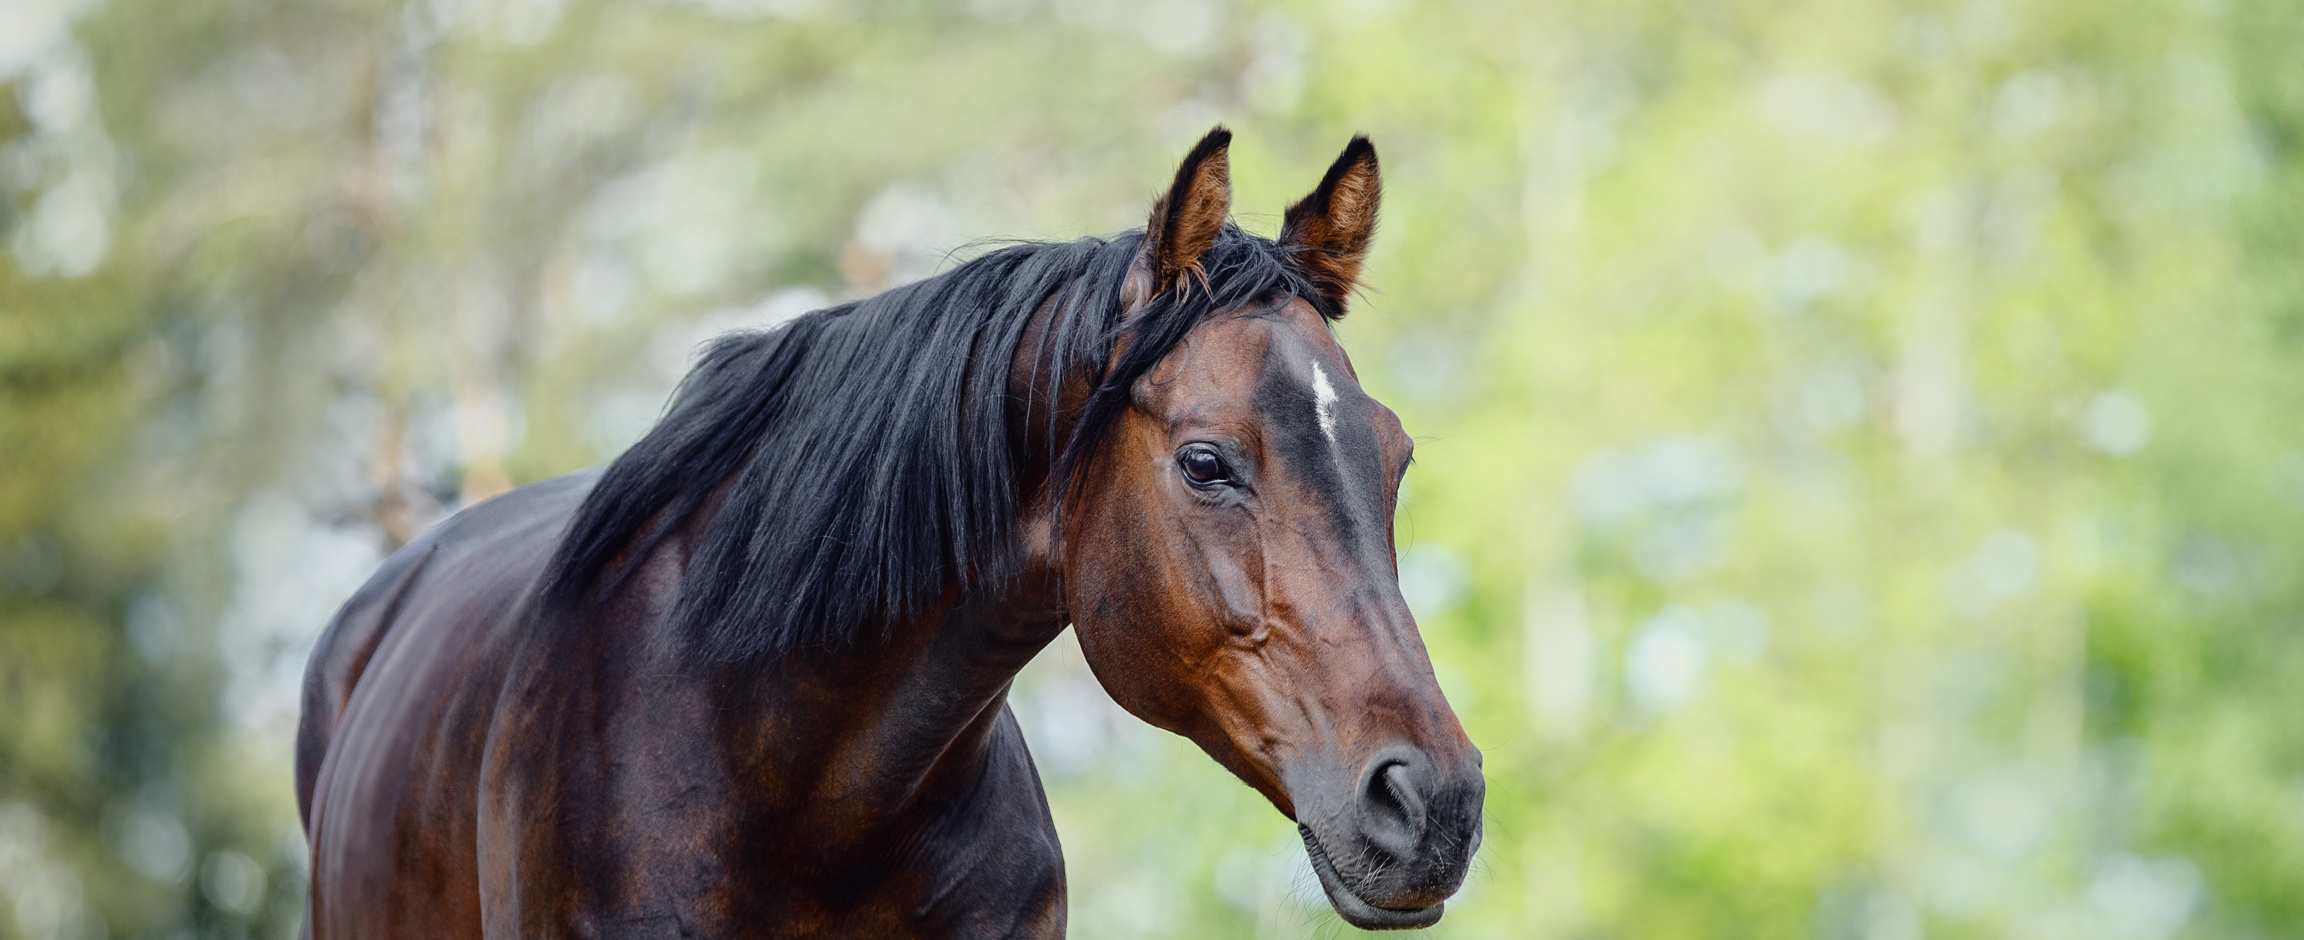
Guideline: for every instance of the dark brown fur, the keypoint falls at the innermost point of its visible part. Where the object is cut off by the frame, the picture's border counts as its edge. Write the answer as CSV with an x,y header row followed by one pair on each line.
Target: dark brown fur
x,y
477,761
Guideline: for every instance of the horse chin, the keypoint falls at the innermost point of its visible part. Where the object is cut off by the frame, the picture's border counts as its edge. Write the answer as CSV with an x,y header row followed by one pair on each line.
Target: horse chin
x,y
1348,905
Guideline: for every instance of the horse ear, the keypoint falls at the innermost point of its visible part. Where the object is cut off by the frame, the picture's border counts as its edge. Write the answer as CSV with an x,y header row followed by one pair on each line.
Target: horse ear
x,y
1327,233
1184,222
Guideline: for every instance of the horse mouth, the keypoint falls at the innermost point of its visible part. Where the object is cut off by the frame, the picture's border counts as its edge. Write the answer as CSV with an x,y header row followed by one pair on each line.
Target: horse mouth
x,y
1349,905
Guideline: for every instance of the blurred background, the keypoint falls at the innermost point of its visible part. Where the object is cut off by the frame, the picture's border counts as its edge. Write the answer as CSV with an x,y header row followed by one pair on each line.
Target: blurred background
x,y
1859,484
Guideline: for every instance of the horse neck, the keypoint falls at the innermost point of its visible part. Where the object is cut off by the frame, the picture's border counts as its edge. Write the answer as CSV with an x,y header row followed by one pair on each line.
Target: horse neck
x,y
860,746
868,730
880,723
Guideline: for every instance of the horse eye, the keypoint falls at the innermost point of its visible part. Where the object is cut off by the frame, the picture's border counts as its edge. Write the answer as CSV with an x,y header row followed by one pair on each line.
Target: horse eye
x,y
1201,465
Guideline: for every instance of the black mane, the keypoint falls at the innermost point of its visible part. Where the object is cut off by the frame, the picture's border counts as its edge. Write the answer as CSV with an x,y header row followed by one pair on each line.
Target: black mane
x,y
864,450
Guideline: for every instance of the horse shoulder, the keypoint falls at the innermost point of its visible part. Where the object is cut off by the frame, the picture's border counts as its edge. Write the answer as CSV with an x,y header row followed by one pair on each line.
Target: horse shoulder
x,y
396,698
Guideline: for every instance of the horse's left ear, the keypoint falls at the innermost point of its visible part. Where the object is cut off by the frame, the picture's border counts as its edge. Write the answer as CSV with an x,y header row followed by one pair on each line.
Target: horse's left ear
x,y
1327,233
1184,223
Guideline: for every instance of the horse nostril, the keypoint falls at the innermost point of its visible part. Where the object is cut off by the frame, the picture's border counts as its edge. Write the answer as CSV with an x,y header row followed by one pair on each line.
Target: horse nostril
x,y
1403,790
1392,808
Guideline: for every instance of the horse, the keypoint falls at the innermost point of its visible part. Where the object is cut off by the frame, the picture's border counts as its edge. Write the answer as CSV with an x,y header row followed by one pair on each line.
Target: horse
x,y
750,679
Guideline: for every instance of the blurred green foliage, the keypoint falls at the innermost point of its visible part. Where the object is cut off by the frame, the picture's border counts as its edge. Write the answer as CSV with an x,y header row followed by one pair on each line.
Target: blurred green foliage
x,y
1858,483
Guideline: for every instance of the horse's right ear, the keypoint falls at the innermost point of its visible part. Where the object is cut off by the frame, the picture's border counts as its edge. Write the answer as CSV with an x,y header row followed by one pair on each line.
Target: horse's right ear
x,y
1184,222
1328,232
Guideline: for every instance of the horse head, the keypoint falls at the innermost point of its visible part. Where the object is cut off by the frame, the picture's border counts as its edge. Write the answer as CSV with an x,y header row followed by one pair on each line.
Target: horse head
x,y
1228,557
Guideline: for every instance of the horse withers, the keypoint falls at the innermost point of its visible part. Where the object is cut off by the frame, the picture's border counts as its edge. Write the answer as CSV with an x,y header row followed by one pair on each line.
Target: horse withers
x,y
750,679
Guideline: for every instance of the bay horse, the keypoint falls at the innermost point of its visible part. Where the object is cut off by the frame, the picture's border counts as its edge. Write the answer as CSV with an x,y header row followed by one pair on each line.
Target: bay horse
x,y
750,679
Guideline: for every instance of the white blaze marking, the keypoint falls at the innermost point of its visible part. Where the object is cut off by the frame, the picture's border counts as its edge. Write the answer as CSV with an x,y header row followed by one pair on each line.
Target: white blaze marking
x,y
1324,402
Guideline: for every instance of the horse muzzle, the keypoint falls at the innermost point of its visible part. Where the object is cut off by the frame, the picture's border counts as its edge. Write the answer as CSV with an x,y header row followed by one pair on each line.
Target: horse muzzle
x,y
1389,856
